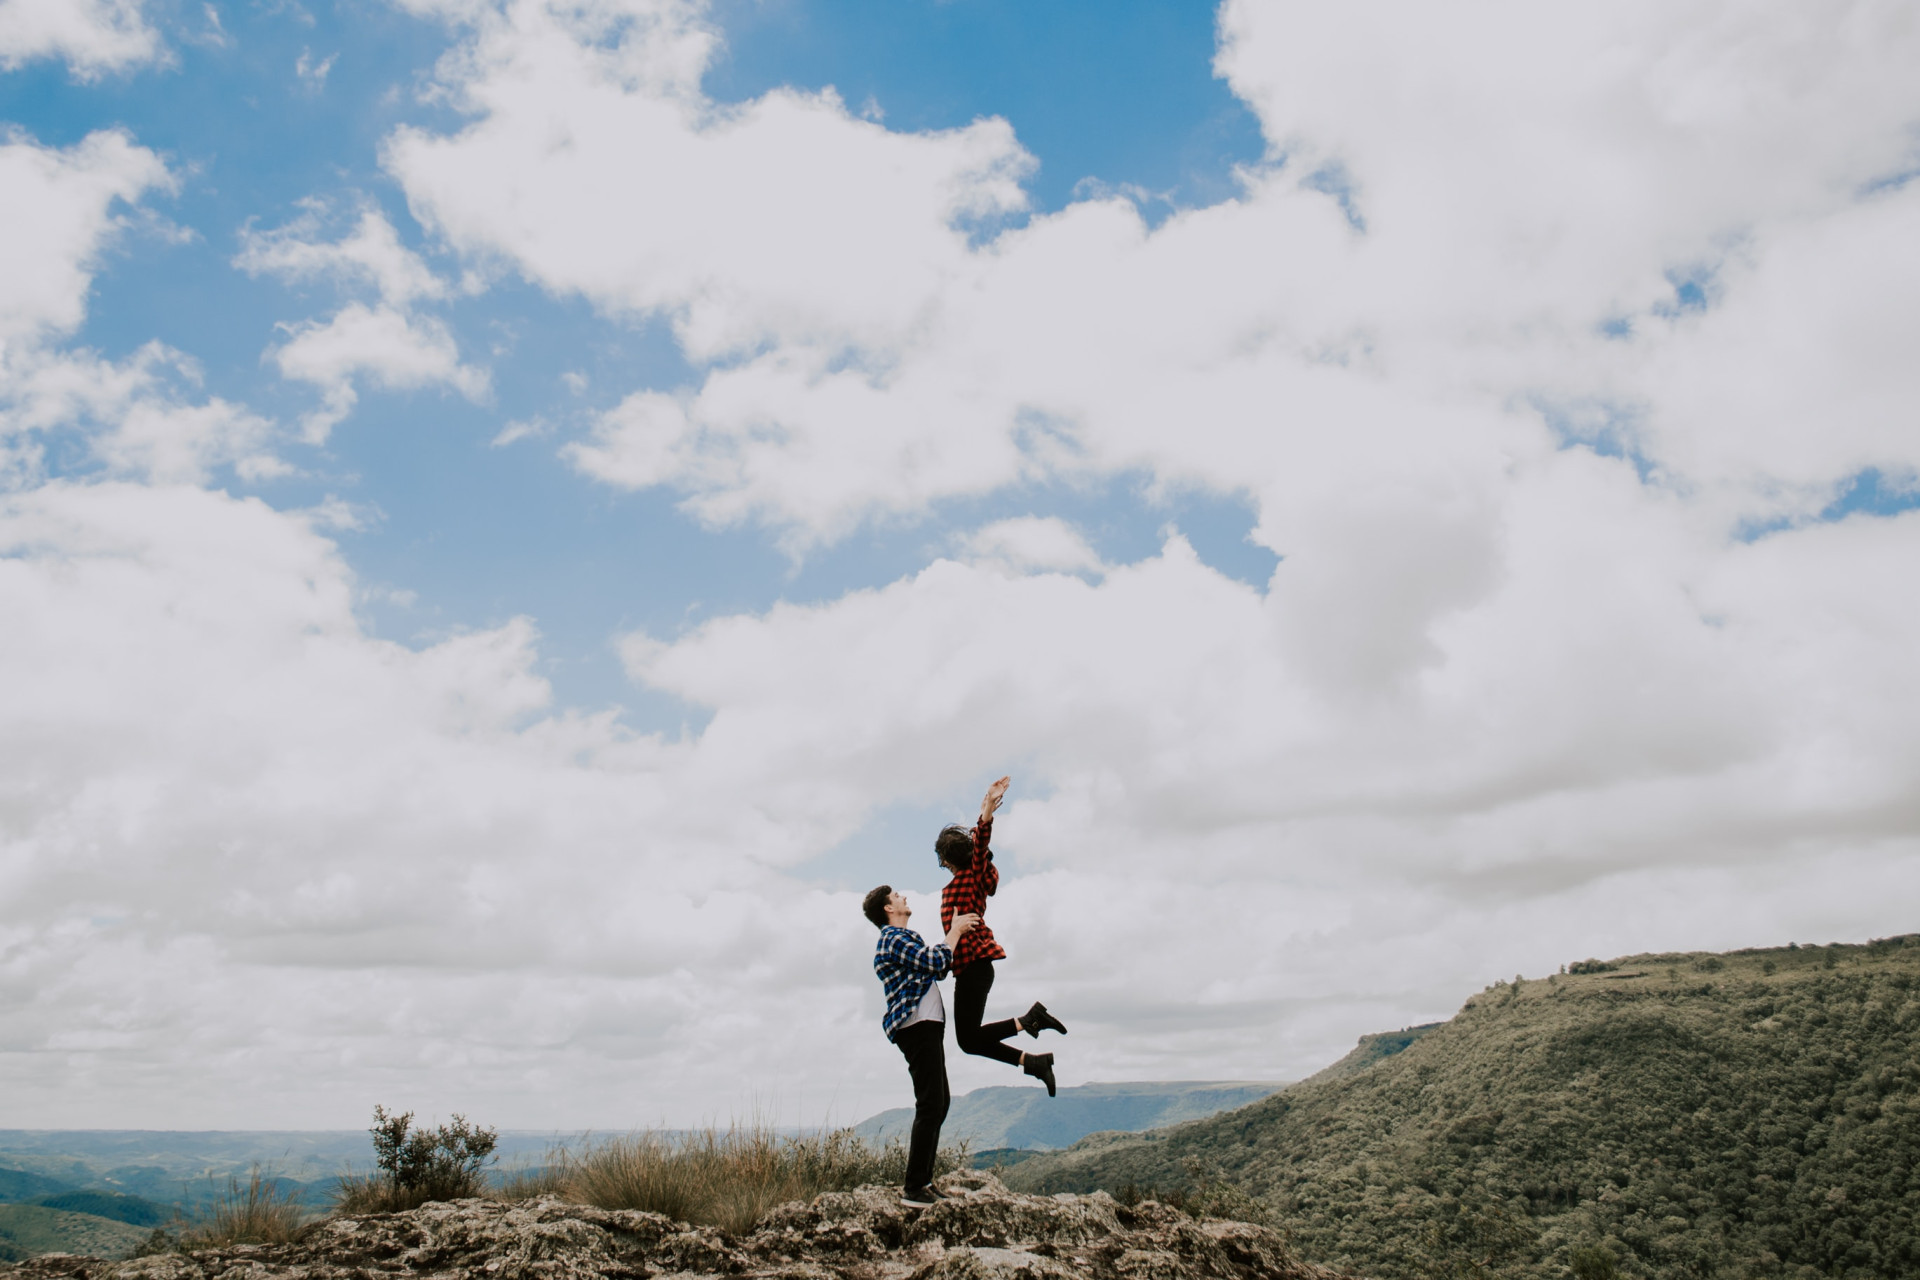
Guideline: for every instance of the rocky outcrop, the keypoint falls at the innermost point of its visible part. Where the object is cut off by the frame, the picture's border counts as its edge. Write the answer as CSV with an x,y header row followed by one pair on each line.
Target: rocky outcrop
x,y
984,1233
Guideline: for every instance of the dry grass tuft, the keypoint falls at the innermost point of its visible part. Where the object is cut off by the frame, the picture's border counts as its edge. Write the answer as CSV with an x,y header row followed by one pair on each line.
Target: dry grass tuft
x,y
376,1193
727,1179
255,1213
527,1183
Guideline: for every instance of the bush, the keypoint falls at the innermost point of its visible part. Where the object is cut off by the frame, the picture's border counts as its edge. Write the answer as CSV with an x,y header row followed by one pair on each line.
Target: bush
x,y
419,1165
1205,1195
729,1179
1595,1262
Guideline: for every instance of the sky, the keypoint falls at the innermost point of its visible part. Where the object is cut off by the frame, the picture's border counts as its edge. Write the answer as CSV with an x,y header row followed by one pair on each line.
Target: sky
x,y
515,513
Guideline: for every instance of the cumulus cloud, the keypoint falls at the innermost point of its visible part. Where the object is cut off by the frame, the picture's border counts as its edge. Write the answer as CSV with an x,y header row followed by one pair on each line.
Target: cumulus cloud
x,y
786,219
1528,322
151,787
141,416
1032,543
1526,319
387,342
58,210
91,36
395,350
1523,190
370,254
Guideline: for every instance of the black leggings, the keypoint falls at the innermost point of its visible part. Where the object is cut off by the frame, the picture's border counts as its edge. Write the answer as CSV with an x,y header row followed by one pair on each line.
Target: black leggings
x,y
971,982
927,1064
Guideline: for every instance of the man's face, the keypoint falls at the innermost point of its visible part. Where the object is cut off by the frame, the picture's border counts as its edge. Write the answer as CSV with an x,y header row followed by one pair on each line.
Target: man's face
x,y
897,905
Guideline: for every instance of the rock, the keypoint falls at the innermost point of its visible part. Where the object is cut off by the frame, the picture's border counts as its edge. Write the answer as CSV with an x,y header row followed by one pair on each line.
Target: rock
x,y
984,1233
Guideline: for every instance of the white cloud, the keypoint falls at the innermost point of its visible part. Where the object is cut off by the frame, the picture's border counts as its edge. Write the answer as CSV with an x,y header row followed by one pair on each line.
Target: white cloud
x,y
91,36
371,254
258,840
138,416
1525,179
521,429
313,70
395,350
787,219
1493,669
1506,700
57,213
389,342
1031,543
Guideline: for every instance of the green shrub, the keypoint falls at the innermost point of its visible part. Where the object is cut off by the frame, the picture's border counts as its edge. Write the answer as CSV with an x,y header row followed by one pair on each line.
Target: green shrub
x,y
419,1165
1594,1262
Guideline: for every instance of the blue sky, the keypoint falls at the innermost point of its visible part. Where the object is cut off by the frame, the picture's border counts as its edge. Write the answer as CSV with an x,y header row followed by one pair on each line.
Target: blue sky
x,y
1105,96
1412,495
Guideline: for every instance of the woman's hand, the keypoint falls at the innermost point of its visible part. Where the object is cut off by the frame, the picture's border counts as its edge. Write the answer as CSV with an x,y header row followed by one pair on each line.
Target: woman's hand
x,y
994,795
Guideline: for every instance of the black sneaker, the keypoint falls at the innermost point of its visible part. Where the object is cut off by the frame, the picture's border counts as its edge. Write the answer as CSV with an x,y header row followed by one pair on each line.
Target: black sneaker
x,y
920,1197
1040,1067
1037,1019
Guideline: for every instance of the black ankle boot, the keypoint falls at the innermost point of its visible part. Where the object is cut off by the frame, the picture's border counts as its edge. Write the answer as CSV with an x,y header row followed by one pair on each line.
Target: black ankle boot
x,y
1040,1067
1037,1019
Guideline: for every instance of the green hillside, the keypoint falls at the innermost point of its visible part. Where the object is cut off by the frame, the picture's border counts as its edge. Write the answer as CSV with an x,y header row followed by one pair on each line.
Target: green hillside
x,y
1002,1117
21,1184
28,1230
1750,1114
110,1204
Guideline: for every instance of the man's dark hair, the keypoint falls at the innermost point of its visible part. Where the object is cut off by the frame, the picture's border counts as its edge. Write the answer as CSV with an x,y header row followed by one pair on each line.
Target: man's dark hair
x,y
955,846
874,905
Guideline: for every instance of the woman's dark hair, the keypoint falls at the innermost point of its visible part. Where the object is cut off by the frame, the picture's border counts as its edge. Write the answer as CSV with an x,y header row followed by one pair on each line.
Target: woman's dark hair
x,y
955,846
874,905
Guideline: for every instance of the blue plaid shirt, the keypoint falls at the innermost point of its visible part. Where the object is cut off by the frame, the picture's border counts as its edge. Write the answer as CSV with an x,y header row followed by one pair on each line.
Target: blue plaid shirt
x,y
907,967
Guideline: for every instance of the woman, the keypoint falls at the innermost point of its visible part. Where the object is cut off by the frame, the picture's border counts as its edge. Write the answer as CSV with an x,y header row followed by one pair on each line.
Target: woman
x,y
969,856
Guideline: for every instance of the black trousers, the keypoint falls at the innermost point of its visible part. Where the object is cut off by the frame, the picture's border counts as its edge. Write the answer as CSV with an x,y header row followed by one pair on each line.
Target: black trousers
x,y
924,1047
971,983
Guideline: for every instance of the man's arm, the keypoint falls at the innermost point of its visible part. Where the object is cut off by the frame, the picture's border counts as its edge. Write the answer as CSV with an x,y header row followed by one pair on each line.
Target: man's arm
x,y
961,924
910,951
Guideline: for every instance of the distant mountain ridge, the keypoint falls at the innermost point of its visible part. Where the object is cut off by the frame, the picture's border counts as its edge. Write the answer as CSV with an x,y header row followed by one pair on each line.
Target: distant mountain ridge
x,y
1749,1114
1007,1116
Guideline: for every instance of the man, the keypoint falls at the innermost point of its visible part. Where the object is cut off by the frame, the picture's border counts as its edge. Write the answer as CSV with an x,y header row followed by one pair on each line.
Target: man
x,y
968,855
916,1021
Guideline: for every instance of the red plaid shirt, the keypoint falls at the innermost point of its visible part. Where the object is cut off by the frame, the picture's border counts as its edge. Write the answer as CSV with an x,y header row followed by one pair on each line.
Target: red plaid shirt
x,y
968,891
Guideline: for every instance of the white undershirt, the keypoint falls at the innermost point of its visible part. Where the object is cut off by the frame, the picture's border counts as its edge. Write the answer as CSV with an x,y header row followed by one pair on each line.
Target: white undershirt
x,y
931,1009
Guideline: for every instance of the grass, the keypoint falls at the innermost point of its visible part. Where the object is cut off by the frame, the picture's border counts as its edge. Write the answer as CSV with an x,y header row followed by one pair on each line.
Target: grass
x,y
257,1213
254,1212
727,1179
529,1182
377,1193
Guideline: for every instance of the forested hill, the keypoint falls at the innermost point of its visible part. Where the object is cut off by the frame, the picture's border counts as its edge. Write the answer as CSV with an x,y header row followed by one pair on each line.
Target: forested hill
x,y
1749,1114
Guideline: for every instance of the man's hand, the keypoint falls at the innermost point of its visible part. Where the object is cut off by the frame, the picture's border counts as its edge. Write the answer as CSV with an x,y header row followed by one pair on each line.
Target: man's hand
x,y
994,795
961,923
